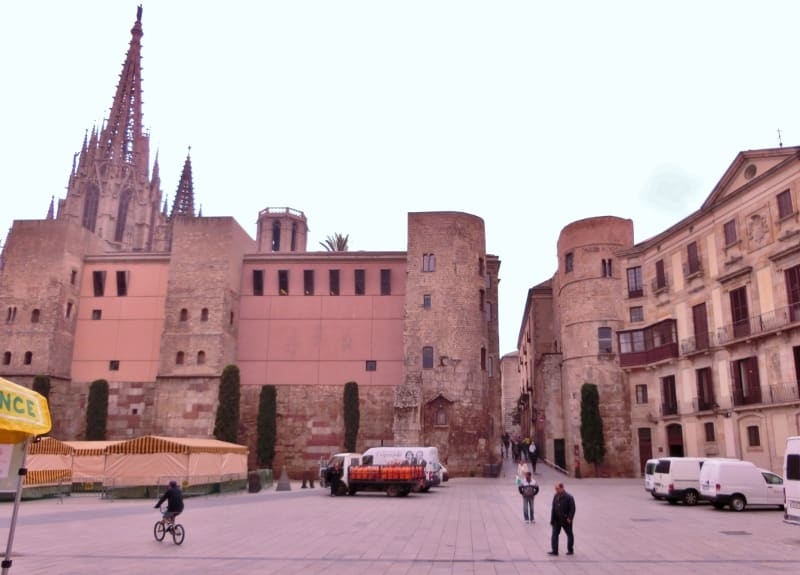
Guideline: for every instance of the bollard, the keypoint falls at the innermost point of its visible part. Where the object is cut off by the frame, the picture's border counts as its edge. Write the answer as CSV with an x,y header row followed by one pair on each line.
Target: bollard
x,y
311,480
305,480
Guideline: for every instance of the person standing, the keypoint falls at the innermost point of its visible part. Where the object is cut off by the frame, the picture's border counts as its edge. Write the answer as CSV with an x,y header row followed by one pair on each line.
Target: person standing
x,y
334,478
506,439
562,516
528,489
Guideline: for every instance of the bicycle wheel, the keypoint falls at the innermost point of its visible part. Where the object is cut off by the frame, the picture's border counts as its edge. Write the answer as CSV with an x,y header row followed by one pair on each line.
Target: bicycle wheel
x,y
158,531
178,533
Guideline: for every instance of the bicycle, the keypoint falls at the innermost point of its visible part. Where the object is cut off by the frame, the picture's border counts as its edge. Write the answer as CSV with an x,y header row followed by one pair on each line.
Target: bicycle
x,y
167,525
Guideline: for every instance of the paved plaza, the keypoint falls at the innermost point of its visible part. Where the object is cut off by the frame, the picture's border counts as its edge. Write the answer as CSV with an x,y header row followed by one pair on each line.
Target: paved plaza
x,y
468,526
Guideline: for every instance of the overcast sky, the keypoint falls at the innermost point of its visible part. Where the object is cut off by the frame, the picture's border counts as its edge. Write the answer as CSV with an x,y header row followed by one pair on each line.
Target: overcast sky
x,y
529,114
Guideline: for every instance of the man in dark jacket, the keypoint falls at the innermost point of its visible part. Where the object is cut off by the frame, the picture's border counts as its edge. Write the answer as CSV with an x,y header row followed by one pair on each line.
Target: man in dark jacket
x,y
562,515
174,498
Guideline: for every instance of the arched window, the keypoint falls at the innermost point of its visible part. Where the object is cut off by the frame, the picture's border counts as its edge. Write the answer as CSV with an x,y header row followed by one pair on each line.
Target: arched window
x,y
179,358
201,357
276,236
184,314
441,416
35,316
28,357
7,358
90,208
204,314
122,214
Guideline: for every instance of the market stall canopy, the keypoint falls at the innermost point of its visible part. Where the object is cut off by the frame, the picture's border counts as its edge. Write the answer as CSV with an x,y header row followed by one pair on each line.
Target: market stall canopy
x,y
23,412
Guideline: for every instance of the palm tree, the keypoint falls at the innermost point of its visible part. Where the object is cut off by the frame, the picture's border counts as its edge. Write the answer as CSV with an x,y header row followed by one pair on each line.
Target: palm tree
x,y
335,243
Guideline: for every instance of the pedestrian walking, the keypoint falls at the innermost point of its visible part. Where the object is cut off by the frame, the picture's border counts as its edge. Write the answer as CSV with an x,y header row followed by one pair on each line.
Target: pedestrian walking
x,y
506,442
528,489
533,455
562,516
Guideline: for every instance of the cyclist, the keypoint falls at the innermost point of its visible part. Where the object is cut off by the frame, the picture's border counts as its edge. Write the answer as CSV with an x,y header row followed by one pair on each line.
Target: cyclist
x,y
174,498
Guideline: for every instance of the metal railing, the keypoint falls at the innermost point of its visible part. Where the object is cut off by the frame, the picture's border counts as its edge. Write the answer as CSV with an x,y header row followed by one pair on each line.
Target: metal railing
x,y
759,324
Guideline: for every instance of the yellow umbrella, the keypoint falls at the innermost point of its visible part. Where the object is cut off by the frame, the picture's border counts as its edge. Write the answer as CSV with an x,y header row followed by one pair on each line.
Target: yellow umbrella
x,y
23,414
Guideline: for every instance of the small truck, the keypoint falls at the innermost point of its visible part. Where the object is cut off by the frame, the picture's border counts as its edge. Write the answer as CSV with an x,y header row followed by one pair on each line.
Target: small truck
x,y
394,480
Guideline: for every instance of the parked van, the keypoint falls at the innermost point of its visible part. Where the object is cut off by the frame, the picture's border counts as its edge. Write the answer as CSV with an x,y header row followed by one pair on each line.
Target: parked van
x,y
649,473
427,456
738,484
678,479
791,481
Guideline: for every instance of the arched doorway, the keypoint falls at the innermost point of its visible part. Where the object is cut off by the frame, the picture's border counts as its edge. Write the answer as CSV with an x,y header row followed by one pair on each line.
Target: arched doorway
x,y
675,440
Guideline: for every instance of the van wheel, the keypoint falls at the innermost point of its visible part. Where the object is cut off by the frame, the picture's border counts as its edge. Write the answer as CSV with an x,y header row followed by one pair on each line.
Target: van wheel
x,y
691,497
737,503
392,491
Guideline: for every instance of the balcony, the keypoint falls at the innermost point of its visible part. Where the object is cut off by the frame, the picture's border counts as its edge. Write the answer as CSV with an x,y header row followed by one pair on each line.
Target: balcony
x,y
659,286
669,408
704,404
652,344
759,325
769,395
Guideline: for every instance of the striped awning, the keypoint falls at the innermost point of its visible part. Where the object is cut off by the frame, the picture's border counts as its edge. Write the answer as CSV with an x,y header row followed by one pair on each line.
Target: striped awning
x,y
158,444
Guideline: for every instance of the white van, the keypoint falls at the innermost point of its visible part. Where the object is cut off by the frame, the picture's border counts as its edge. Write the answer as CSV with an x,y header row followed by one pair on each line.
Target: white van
x,y
678,479
738,484
428,456
791,481
649,471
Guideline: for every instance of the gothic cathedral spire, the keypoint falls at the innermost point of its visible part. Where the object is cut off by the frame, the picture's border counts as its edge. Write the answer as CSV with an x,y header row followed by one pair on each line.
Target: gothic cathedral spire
x,y
110,191
184,196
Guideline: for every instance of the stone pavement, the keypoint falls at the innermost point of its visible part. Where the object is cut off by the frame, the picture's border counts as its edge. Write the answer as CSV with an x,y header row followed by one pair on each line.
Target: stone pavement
x,y
468,526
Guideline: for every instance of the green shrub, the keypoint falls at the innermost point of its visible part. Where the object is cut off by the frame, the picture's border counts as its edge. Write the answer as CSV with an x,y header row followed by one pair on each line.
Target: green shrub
x,y
592,438
267,426
97,411
226,426
352,415
41,385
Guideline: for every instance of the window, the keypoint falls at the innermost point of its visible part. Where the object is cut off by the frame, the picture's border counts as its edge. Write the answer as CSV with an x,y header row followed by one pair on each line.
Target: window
x,y
700,321
441,417
28,358
7,358
204,314
99,283
386,282
693,256
729,229
739,312
12,314
661,275
333,282
604,340
35,316
97,314
283,282
481,300
753,436
68,313
637,313
184,315
568,262
483,359
705,389
122,214
276,236
785,208
427,357
792,276
360,281
746,382
669,397
179,358
201,358
490,366
480,266
372,365
122,283
73,277
635,285
426,301
428,262
113,365
606,268
710,434
641,393
308,282
293,243
258,282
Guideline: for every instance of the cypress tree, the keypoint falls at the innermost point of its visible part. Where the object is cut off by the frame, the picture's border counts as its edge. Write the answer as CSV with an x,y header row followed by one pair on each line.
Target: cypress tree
x,y
97,411
592,439
41,385
352,415
226,426
267,426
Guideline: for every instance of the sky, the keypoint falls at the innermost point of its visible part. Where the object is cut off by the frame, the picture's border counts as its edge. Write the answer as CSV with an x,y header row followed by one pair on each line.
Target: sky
x,y
528,114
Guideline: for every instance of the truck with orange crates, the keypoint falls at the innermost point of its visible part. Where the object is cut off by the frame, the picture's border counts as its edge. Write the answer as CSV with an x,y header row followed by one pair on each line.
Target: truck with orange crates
x,y
394,480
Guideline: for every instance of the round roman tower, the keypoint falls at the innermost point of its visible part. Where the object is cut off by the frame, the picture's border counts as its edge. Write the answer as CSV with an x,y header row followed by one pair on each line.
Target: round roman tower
x,y
590,310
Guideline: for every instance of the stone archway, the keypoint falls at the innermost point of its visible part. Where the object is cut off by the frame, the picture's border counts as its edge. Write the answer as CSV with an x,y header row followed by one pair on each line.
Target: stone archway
x,y
675,440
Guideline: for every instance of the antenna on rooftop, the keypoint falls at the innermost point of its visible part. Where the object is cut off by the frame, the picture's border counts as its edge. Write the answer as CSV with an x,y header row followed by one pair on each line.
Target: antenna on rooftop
x,y
780,141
